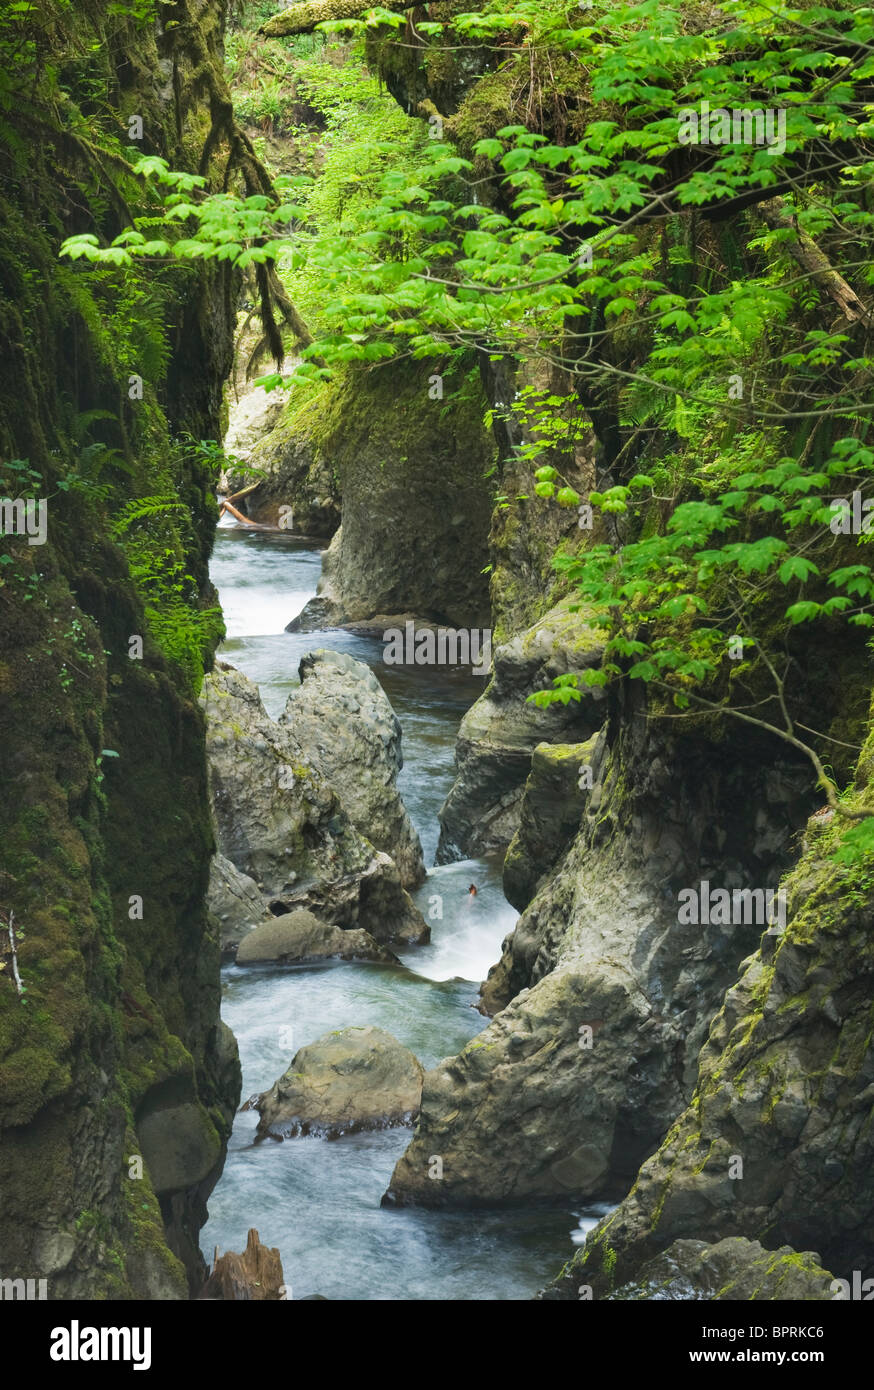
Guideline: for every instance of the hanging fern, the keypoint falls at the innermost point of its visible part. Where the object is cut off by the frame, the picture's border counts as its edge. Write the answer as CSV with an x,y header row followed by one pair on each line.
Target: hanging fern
x,y
142,509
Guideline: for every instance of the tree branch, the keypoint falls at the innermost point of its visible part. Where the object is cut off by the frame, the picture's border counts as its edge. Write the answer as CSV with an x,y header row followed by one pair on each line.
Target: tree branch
x,y
822,777
805,251
302,19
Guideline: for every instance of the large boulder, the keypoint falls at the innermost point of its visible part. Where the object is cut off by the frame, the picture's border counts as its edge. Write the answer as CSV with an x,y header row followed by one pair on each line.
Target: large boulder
x,y
179,1143
342,722
416,500
500,731
233,904
352,1079
293,475
296,938
283,825
267,436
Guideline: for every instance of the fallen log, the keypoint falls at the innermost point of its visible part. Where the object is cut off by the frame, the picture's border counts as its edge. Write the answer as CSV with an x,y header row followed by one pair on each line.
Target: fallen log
x,y
244,492
255,525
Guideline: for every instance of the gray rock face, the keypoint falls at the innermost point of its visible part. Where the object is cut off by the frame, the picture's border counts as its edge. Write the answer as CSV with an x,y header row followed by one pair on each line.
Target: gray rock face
x,y
282,825
734,1270
233,903
353,1079
553,802
608,995
252,413
296,477
416,503
341,721
499,733
776,1143
298,937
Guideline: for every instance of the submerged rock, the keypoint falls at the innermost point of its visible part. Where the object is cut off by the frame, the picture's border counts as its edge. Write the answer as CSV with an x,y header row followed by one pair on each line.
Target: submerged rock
x,y
299,937
348,1080
499,733
341,720
282,825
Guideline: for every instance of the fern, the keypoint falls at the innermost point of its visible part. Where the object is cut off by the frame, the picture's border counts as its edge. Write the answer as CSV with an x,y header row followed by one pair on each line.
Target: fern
x,y
142,509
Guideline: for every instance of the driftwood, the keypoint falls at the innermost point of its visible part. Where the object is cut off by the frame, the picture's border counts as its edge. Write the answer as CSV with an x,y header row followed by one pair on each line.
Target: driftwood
x,y
244,492
254,1276
255,525
805,251
302,19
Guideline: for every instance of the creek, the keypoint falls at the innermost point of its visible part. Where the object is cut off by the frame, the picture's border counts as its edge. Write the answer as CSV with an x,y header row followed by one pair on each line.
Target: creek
x,y
319,1200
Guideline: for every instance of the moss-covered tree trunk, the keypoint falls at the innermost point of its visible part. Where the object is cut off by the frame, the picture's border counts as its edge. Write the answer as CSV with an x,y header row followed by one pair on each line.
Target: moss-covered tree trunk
x,y
117,1080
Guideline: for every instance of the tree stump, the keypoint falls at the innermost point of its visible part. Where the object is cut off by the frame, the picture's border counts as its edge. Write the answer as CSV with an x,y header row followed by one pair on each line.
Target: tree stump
x,y
254,1275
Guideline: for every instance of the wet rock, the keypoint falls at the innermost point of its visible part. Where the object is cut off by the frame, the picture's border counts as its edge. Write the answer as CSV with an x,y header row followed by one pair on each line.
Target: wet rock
x,y
233,903
733,1269
352,1079
282,825
341,721
298,937
499,733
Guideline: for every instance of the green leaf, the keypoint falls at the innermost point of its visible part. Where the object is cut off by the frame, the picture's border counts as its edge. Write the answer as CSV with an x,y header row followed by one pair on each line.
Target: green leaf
x,y
803,612
567,497
796,567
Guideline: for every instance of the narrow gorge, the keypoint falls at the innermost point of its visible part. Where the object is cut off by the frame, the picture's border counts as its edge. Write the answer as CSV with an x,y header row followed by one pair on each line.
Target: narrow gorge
x,y
436,836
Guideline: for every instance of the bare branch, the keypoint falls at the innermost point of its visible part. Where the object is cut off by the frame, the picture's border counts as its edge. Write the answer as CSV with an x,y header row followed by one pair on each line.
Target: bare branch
x,y
808,255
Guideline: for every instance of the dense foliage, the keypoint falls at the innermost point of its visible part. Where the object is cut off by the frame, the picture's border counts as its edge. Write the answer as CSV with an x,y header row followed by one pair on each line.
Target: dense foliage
x,y
708,299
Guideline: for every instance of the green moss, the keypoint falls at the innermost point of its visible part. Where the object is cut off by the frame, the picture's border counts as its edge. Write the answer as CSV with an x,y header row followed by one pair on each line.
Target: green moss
x,y
73,847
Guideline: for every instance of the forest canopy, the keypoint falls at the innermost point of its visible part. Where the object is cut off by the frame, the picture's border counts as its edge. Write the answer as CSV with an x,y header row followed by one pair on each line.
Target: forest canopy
x,y
672,206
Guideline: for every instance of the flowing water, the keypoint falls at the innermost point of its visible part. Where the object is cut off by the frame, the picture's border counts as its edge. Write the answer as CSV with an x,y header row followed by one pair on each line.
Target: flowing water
x,y
318,1200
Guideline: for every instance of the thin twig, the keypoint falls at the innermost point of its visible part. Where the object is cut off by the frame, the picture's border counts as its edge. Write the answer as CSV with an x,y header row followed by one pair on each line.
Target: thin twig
x,y
10,926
